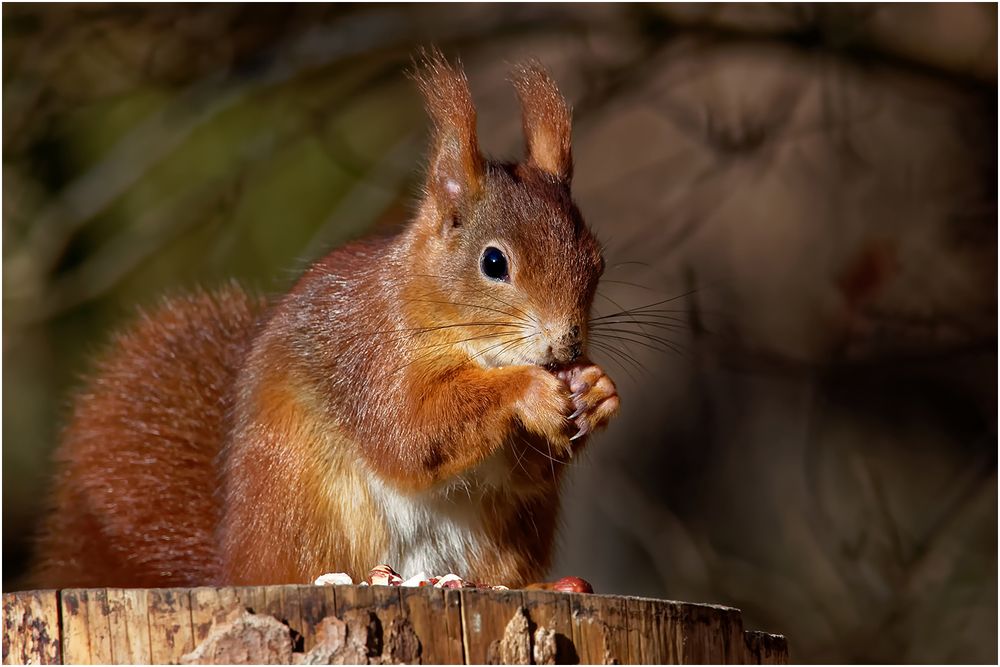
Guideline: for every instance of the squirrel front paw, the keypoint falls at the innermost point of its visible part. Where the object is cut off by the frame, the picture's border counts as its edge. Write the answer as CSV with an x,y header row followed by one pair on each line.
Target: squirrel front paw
x,y
594,396
545,406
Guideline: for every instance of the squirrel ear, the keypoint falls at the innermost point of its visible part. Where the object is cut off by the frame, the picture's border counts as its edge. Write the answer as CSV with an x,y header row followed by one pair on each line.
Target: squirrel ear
x,y
546,119
455,172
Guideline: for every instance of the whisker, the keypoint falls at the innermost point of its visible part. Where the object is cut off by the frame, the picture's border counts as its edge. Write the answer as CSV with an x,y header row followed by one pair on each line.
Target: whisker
x,y
649,308
518,461
552,465
446,343
608,354
625,282
659,324
522,339
620,354
666,344
549,456
638,340
641,309
484,293
651,315
643,264
663,340
648,315
436,348
623,352
468,305
431,329
461,340
509,305
613,302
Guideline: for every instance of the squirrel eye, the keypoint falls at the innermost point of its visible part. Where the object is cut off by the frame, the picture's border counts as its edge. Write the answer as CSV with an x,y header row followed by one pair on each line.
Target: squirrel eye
x,y
494,264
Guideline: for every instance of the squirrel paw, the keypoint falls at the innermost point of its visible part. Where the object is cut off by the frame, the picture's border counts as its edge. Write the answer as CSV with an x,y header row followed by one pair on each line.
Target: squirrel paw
x,y
545,407
594,397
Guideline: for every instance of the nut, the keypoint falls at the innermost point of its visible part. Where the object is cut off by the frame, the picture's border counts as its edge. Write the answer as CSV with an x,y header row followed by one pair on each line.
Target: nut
x,y
334,579
383,575
450,581
573,585
417,580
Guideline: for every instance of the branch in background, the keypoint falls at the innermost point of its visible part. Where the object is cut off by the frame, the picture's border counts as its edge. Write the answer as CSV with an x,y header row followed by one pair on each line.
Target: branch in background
x,y
372,194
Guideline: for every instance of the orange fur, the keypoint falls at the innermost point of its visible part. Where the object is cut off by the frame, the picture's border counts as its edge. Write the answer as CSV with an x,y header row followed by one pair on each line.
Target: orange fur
x,y
133,502
546,121
396,402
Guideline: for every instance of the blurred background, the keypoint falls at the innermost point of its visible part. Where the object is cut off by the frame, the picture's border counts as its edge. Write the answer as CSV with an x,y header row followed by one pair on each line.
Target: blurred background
x,y
813,187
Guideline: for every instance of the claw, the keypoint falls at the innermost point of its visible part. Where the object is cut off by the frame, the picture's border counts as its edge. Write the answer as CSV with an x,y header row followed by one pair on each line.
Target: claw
x,y
582,432
577,413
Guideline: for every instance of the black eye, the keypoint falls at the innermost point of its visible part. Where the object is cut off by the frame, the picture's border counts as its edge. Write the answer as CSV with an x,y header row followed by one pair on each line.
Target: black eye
x,y
494,264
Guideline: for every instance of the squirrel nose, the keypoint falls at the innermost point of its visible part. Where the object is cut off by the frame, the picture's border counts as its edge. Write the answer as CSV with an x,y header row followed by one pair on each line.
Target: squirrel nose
x,y
572,345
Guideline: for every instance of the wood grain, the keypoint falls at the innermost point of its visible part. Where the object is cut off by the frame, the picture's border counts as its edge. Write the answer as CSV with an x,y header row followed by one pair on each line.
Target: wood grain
x,y
383,600
467,626
210,606
485,615
316,603
170,628
601,629
31,630
766,649
253,598
75,630
436,617
128,622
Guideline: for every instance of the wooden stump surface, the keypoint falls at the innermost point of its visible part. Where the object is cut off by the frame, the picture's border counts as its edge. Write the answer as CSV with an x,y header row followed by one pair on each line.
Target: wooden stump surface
x,y
374,625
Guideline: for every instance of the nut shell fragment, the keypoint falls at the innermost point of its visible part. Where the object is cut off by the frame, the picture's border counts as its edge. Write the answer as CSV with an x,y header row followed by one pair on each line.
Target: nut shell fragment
x,y
383,575
450,581
417,580
334,579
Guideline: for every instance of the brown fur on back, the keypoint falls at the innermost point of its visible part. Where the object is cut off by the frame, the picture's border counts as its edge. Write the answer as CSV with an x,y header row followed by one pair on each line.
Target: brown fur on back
x,y
135,499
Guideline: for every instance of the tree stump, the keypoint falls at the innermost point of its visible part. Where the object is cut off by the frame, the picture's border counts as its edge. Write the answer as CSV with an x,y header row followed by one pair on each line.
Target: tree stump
x,y
371,625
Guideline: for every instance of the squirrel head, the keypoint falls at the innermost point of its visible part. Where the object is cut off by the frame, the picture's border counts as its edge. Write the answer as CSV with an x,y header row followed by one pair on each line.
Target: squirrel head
x,y
503,256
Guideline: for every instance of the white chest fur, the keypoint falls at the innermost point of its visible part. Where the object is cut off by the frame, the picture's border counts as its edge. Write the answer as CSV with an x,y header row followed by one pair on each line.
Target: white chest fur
x,y
441,530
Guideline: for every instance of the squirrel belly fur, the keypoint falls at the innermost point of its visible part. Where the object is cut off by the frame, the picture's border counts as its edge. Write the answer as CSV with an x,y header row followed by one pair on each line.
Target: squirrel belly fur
x,y
411,400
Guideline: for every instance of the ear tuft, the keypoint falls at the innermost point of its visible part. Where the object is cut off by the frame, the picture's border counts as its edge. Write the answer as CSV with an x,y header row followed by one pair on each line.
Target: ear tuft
x,y
546,119
455,171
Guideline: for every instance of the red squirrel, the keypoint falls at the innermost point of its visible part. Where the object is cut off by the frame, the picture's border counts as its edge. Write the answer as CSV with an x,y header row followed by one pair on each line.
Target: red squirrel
x,y
411,400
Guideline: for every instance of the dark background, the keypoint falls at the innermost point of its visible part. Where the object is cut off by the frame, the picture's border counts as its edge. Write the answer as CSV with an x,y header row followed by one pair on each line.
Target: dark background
x,y
816,186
